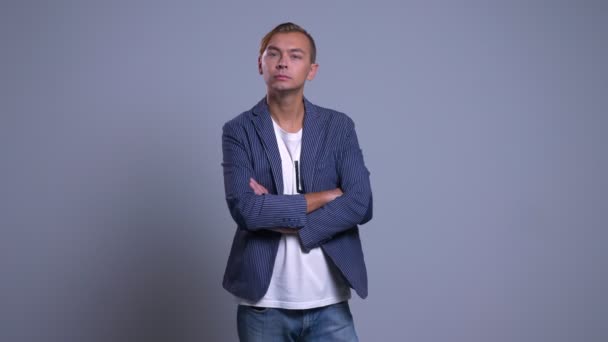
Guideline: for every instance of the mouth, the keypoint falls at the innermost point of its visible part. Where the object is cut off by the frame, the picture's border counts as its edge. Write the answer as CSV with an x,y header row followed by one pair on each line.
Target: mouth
x,y
282,77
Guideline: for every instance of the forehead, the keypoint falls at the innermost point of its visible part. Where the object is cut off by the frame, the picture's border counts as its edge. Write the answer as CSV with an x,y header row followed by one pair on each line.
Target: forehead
x,y
290,40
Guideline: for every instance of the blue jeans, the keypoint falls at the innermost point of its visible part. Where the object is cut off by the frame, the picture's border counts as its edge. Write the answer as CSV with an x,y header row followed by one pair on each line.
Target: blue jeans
x,y
328,323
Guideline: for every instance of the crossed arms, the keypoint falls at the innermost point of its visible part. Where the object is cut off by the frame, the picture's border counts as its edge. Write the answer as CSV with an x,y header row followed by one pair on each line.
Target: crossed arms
x,y
314,201
316,216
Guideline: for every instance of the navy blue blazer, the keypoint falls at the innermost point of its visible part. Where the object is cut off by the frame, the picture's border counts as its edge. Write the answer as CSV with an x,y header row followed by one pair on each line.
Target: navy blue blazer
x,y
330,158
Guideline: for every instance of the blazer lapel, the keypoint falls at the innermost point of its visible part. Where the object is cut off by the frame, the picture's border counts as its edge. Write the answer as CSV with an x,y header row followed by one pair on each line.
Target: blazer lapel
x,y
265,129
312,135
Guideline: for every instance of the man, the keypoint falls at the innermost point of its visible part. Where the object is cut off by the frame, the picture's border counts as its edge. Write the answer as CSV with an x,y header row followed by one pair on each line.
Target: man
x,y
297,188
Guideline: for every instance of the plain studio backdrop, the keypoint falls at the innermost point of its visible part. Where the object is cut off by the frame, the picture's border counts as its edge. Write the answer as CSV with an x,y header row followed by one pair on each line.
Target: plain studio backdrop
x,y
484,125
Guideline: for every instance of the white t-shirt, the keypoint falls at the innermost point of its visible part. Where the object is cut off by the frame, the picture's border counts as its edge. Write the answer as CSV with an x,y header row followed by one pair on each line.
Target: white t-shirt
x,y
299,280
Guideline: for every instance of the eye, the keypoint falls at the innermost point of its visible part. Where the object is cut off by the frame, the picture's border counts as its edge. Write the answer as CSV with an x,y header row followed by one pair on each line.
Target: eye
x,y
296,56
271,53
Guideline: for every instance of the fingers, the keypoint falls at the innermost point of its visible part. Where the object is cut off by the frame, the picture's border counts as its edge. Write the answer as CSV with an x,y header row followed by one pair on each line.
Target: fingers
x,y
286,230
257,188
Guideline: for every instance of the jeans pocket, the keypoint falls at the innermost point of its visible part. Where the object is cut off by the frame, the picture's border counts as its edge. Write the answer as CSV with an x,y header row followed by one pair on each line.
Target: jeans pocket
x,y
258,309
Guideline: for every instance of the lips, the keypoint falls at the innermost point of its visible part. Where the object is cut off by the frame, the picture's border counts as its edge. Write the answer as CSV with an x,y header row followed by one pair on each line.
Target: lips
x,y
282,77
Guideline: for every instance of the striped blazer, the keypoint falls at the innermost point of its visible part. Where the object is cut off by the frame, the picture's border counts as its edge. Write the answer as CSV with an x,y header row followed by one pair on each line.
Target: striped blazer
x,y
330,158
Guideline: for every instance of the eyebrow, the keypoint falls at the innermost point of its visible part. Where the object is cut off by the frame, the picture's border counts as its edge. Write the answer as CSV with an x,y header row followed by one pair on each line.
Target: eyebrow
x,y
271,47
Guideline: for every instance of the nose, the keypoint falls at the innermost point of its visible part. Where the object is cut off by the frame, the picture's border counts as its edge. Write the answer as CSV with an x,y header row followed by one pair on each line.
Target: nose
x,y
282,64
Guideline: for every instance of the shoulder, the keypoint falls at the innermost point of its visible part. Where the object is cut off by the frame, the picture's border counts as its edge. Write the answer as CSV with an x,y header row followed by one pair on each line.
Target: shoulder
x,y
245,119
241,121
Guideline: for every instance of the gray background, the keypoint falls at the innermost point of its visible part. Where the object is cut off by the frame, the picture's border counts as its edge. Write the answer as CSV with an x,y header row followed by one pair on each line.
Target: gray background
x,y
483,124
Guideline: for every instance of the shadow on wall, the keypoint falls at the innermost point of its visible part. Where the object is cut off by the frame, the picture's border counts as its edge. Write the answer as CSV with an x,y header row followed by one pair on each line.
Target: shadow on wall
x,y
158,276
125,254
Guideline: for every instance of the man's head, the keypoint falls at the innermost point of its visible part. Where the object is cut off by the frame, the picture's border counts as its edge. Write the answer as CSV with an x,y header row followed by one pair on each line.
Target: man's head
x,y
287,58
288,28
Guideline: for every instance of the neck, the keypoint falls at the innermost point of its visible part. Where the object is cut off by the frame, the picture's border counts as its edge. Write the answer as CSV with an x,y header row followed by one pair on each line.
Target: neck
x,y
287,110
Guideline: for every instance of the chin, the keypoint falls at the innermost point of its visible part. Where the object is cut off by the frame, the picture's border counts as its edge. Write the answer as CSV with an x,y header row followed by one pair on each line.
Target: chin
x,y
282,88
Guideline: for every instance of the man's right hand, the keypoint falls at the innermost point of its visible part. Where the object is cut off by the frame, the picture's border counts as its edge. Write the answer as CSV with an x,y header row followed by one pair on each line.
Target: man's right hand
x,y
286,230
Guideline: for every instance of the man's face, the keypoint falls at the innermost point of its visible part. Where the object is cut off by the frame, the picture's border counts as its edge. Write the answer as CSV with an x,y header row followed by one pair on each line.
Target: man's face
x,y
285,64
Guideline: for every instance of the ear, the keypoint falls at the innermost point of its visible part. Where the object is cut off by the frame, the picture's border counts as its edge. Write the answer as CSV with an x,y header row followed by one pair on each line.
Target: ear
x,y
260,65
313,71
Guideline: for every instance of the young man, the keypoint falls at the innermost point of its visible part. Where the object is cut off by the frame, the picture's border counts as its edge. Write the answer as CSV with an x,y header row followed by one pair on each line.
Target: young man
x,y
297,188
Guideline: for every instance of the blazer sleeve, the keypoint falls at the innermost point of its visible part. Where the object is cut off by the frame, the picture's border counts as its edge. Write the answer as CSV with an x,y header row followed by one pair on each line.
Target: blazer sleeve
x,y
250,211
354,207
